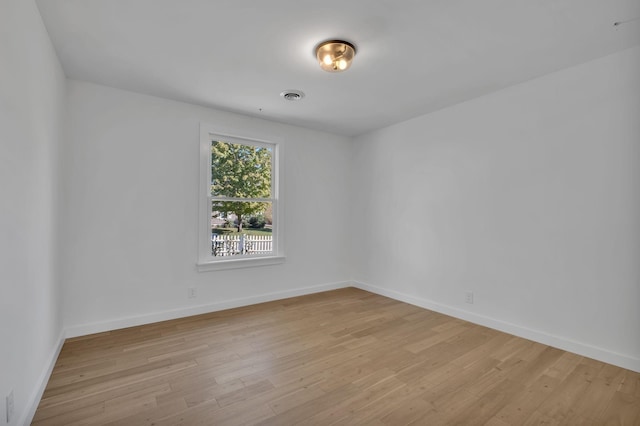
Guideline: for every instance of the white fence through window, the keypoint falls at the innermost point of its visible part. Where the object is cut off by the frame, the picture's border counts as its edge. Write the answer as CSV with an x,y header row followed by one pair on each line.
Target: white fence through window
x,y
231,245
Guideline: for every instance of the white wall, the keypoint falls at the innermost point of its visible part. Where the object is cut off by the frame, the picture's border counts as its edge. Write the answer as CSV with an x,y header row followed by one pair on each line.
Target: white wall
x,y
31,116
529,197
130,179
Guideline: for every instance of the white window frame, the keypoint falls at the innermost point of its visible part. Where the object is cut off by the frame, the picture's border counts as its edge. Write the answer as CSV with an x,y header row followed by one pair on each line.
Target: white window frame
x,y
206,260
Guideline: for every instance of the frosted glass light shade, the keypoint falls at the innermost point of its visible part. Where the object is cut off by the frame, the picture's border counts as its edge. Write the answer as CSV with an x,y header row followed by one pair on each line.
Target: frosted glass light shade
x,y
335,55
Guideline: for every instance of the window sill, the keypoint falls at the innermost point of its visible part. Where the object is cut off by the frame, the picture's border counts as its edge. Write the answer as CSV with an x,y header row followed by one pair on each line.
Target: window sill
x,y
250,262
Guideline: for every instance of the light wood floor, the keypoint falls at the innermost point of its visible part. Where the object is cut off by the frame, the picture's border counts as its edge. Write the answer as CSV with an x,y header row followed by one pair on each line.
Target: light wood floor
x,y
344,357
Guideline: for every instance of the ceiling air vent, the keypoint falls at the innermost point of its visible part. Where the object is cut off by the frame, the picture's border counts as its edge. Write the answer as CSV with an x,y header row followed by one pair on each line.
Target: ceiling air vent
x,y
292,95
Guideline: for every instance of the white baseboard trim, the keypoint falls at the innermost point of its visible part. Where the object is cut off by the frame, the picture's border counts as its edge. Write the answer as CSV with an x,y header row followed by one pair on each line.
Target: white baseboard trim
x,y
559,342
36,395
115,324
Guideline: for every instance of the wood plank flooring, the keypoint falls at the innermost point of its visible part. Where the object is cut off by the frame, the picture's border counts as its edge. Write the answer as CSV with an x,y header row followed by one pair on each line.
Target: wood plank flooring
x,y
345,357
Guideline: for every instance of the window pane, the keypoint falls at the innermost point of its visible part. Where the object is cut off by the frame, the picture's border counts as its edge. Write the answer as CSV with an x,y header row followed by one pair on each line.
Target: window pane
x,y
241,228
240,171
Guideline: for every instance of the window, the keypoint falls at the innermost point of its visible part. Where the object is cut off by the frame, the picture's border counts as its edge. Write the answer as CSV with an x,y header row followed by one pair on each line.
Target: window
x,y
239,213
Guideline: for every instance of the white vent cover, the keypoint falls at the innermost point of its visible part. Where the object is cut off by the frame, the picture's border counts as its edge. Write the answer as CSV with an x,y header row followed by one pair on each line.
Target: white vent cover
x,y
292,95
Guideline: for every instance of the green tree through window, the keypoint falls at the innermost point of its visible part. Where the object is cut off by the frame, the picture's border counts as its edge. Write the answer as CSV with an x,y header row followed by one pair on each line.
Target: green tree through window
x,y
241,179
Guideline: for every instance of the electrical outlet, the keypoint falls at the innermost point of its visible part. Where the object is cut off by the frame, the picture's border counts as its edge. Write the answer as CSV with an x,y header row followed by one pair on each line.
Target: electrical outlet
x,y
10,406
193,293
468,297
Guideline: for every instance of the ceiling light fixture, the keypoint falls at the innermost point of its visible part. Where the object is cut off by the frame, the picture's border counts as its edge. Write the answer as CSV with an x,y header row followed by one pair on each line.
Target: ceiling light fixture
x,y
335,55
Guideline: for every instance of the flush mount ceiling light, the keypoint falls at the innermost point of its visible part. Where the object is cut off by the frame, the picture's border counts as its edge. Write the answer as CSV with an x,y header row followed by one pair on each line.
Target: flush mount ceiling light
x,y
335,55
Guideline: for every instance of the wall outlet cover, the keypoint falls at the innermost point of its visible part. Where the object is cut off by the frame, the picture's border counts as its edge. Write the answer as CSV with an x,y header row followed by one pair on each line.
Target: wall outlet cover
x,y
468,297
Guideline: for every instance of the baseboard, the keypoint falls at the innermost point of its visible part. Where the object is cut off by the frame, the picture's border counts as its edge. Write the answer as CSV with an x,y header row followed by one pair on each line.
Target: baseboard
x,y
559,342
36,395
115,324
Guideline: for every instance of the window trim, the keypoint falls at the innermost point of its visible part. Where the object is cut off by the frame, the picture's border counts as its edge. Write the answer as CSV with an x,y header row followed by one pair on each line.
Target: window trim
x,y
206,260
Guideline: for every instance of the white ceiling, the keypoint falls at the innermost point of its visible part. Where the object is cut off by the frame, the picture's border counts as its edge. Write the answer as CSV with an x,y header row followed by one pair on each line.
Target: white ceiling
x,y
414,56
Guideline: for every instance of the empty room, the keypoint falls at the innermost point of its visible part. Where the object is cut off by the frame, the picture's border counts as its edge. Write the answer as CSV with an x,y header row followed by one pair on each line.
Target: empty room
x,y
328,213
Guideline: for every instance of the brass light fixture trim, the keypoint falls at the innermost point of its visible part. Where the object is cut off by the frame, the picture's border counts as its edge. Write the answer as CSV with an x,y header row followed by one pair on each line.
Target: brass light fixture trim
x,y
335,55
